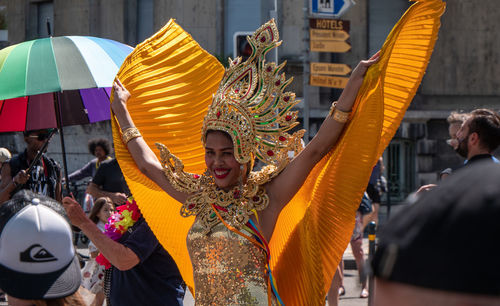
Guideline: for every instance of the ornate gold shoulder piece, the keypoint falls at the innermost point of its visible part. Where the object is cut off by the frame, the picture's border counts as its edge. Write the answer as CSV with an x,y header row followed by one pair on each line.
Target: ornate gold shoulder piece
x,y
173,168
252,106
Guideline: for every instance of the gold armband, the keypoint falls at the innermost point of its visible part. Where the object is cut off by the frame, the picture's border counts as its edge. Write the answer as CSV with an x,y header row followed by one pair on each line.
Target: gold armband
x,y
337,114
129,134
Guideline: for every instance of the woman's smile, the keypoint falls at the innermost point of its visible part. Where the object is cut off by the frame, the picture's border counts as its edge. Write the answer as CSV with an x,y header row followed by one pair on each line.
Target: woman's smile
x,y
221,173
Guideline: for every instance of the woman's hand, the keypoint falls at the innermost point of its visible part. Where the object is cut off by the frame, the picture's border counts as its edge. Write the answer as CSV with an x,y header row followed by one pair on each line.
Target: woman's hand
x,y
348,96
120,97
359,72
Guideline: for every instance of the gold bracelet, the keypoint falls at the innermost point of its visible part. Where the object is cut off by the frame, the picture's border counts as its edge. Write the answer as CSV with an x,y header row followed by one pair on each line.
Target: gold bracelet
x,y
129,134
337,114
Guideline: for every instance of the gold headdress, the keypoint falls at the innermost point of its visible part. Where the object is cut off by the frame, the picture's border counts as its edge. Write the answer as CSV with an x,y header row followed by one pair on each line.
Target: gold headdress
x,y
252,107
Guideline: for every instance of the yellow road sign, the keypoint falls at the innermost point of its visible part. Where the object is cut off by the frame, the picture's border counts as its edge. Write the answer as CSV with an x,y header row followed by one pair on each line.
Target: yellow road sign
x,y
329,46
339,35
330,69
328,81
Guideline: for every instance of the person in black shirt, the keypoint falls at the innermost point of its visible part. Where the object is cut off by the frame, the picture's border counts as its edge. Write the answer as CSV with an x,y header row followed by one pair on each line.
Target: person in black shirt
x,y
142,272
44,178
109,182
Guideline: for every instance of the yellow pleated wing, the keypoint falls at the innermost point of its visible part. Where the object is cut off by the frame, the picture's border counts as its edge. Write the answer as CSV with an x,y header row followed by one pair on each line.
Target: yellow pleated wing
x,y
315,227
171,80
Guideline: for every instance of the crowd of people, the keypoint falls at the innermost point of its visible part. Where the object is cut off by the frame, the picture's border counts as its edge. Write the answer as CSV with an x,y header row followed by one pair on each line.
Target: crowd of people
x,y
421,256
136,259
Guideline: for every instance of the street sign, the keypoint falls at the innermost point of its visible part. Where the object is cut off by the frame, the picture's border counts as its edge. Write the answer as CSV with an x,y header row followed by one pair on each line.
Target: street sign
x,y
328,81
330,8
330,24
329,35
339,35
330,69
329,46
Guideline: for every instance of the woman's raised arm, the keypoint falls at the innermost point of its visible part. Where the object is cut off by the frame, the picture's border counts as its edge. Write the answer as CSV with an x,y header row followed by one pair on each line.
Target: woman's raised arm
x,y
144,157
284,186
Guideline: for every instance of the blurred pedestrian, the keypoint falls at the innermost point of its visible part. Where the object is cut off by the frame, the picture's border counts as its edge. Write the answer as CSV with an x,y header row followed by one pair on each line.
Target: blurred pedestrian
x,y
337,287
100,148
45,176
142,272
479,136
455,121
109,182
374,191
476,139
38,263
443,250
93,273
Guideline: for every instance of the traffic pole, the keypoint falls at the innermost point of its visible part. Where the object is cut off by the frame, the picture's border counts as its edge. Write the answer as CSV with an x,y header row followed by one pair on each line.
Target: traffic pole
x,y
372,226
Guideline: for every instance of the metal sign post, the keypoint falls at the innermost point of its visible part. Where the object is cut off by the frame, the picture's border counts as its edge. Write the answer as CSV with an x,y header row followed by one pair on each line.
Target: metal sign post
x,y
305,72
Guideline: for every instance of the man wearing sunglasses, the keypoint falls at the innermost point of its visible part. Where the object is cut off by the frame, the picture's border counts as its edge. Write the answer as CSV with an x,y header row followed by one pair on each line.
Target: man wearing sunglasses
x,y
45,176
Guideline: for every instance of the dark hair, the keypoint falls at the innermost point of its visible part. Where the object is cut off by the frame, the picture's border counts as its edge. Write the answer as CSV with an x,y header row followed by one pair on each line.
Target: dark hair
x,y
99,142
226,134
486,123
98,204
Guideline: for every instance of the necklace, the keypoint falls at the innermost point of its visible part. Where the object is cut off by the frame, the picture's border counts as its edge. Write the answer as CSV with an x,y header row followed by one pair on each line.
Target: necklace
x,y
119,222
235,206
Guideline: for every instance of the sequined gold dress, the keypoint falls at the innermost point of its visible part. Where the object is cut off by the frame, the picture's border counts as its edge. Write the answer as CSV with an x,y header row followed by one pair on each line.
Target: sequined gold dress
x,y
228,269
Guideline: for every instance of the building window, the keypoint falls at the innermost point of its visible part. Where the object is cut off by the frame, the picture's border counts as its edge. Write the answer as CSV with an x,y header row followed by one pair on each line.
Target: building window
x,y
401,169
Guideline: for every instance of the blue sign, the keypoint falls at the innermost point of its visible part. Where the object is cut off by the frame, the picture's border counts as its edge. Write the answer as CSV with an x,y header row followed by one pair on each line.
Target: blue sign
x,y
331,8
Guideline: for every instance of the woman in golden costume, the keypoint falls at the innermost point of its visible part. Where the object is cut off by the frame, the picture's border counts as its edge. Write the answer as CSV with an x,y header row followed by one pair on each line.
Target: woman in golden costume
x,y
231,203
304,207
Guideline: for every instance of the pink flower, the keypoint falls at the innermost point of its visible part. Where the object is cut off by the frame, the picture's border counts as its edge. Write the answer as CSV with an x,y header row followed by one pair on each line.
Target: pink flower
x,y
103,261
115,228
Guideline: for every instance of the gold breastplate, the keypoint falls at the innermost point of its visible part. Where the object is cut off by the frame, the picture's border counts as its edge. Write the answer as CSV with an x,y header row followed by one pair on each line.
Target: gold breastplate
x,y
234,206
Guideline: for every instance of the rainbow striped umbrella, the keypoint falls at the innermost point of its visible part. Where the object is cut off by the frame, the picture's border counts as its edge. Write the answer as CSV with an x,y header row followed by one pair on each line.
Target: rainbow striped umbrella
x,y
57,81
75,71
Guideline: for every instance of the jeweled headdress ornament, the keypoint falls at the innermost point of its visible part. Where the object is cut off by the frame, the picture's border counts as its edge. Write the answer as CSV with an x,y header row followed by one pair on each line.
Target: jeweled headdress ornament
x,y
252,107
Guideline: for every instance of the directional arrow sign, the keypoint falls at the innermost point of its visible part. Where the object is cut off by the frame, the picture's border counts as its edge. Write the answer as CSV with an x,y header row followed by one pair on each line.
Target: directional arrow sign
x,y
339,35
330,69
329,46
328,81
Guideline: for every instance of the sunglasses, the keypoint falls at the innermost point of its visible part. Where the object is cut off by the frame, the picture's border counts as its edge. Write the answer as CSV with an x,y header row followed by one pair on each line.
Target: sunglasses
x,y
41,137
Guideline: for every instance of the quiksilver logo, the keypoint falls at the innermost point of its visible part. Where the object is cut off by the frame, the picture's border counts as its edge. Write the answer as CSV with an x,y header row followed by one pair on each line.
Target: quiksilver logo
x,y
36,253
